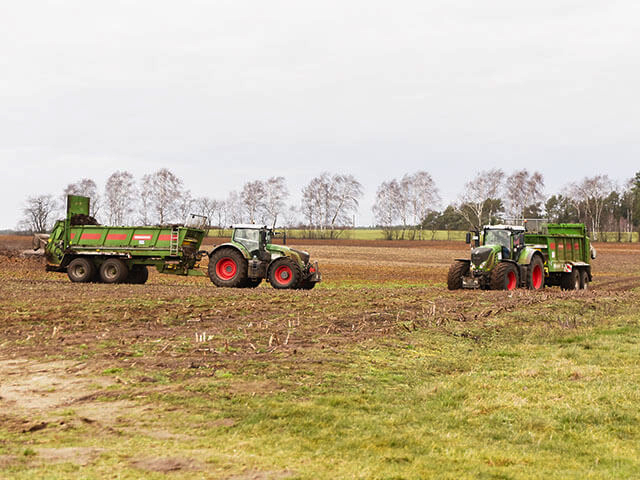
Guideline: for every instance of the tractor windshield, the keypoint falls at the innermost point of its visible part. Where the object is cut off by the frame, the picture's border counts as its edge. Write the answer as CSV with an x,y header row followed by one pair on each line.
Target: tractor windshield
x,y
497,237
248,237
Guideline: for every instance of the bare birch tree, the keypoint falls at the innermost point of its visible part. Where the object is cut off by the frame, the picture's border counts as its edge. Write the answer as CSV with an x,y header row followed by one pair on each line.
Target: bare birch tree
x,y
330,200
486,185
523,189
253,194
119,197
590,194
275,194
162,196
38,210
233,208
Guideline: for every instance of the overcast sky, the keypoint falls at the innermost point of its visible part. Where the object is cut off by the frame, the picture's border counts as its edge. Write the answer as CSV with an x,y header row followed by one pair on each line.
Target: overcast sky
x,y
222,92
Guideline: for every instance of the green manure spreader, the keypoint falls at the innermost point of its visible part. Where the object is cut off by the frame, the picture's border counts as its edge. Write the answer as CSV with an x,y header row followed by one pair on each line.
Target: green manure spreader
x,y
505,257
89,252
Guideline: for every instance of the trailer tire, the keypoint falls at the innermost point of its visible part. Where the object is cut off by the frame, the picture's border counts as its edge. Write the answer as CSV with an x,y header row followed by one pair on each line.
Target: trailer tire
x,y
584,279
138,275
113,270
571,280
81,270
457,270
284,273
227,268
504,277
535,275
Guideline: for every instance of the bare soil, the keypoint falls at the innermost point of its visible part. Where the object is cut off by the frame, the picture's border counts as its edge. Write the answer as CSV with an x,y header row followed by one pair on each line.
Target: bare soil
x,y
63,346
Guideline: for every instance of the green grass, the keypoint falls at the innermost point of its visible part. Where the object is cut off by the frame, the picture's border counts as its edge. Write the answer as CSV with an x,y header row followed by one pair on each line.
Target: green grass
x,y
525,395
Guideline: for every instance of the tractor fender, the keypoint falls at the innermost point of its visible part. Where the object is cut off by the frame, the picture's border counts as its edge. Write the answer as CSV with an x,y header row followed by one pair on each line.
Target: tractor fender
x,y
233,246
526,257
465,260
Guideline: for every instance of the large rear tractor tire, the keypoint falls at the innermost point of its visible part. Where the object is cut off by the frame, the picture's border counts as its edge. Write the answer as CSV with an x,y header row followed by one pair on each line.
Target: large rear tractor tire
x,y
571,280
81,270
457,270
284,273
228,268
535,275
504,277
113,270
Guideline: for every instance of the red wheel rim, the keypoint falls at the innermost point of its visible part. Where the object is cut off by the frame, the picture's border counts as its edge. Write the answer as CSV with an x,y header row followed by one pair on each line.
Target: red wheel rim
x,y
511,281
226,268
536,277
284,275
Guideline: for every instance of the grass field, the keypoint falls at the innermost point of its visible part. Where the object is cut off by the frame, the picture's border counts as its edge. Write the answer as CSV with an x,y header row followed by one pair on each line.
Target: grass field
x,y
378,373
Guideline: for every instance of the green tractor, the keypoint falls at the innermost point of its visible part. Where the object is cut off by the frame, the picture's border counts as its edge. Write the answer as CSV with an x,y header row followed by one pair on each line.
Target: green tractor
x,y
500,260
251,256
505,257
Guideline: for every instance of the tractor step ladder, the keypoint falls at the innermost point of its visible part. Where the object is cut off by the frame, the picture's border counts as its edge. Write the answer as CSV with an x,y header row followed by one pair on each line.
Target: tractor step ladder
x,y
173,244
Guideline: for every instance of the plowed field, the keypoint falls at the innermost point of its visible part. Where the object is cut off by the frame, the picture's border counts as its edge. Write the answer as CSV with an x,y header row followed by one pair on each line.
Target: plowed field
x,y
92,357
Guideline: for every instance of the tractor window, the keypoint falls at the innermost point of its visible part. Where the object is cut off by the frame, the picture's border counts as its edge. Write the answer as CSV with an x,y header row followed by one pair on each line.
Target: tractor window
x,y
497,237
248,237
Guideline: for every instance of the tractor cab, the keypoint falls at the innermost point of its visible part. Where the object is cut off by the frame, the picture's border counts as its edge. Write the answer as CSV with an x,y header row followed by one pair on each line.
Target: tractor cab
x,y
509,238
253,238
497,243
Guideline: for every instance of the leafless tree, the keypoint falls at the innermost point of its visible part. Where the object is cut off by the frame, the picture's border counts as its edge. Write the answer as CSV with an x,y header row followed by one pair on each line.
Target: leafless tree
x,y
386,207
275,193
486,185
120,197
162,196
233,208
329,201
407,201
212,209
87,188
291,217
38,210
421,196
523,189
590,195
253,194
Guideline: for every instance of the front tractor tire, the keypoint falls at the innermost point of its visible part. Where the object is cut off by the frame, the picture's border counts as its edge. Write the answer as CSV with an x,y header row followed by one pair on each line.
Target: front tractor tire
x,y
284,273
535,274
504,277
228,268
457,270
81,270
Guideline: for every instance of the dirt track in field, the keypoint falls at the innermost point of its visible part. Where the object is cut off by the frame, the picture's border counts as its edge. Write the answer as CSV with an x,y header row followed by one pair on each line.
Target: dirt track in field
x,y
57,337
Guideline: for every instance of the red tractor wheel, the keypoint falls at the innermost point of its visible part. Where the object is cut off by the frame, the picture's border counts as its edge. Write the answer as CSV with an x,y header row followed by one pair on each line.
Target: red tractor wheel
x,y
536,274
504,277
227,268
284,273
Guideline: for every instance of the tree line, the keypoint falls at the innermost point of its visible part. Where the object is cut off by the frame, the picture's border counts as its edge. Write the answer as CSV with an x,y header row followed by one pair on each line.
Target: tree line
x,y
405,207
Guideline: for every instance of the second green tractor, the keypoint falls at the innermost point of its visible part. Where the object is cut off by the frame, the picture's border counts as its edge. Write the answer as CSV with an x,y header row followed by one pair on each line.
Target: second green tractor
x,y
251,256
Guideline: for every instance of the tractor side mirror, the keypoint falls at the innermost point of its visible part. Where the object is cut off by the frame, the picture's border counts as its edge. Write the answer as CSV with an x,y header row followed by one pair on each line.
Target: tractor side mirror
x,y
468,238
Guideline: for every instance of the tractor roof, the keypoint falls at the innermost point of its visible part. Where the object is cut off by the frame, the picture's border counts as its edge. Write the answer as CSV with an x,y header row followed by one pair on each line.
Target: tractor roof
x,y
251,226
513,228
